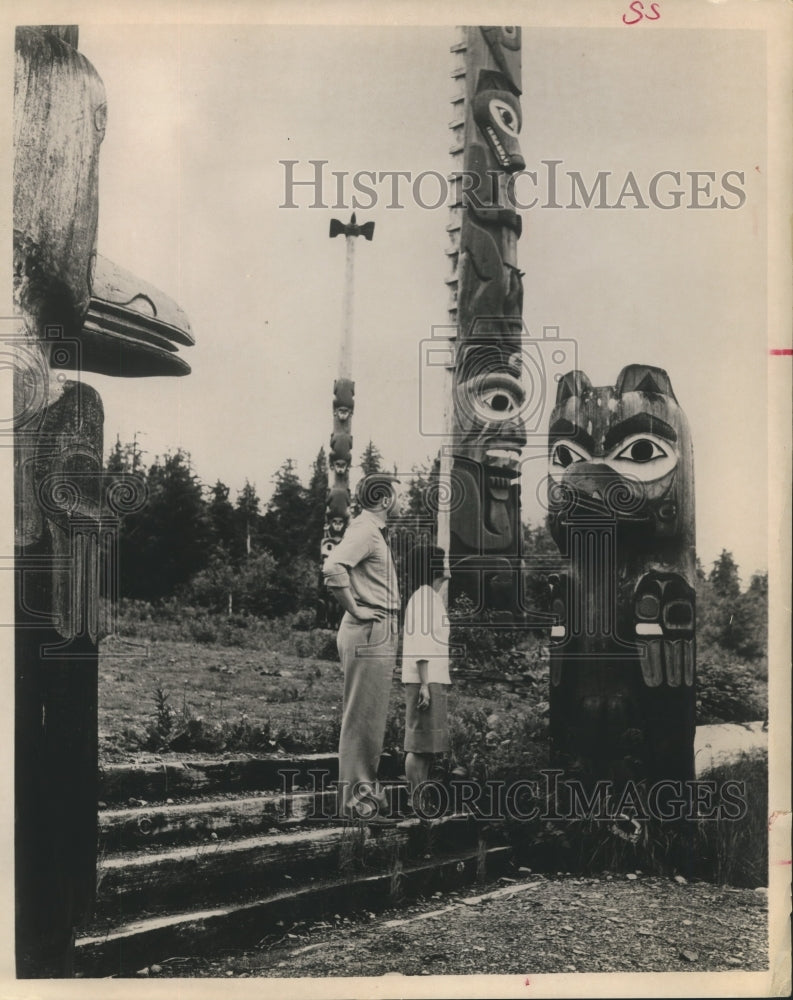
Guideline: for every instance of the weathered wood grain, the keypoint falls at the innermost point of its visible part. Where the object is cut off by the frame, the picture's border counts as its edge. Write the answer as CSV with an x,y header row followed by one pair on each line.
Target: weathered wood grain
x,y
157,781
222,871
124,949
192,822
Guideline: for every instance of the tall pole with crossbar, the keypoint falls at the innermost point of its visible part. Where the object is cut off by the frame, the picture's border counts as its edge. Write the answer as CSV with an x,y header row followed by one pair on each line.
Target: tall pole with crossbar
x,y
337,509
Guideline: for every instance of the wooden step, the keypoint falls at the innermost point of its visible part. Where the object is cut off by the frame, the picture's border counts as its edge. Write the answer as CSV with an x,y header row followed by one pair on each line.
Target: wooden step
x,y
196,821
123,949
156,781
159,880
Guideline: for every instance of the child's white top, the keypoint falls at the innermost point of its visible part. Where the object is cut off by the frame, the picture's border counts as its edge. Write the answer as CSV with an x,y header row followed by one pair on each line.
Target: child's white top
x,y
426,637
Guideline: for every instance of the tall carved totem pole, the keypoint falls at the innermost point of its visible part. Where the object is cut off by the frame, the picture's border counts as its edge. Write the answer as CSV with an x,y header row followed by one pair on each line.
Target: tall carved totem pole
x,y
621,493
621,510
73,311
337,507
485,425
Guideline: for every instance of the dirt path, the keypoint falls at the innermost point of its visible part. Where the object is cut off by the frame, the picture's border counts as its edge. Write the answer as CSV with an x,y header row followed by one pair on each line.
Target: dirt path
x,y
534,925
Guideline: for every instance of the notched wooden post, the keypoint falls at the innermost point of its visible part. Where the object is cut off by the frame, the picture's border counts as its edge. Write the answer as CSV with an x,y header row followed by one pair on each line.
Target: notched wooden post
x,y
71,314
485,425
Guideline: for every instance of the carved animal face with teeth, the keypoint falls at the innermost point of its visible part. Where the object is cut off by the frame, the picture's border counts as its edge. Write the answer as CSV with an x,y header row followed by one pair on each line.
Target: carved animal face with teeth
x,y
497,113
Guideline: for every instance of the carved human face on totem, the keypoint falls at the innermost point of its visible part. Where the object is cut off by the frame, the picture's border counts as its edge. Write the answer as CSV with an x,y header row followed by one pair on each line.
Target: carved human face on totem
x,y
342,413
340,467
622,452
489,399
488,434
498,116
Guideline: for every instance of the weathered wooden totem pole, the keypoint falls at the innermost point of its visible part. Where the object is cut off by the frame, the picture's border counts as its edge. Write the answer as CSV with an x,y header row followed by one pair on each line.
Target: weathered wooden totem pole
x,y
485,426
73,311
337,508
621,510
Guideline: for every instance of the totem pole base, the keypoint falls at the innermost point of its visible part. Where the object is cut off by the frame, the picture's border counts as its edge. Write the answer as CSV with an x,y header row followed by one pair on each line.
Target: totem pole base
x,y
55,799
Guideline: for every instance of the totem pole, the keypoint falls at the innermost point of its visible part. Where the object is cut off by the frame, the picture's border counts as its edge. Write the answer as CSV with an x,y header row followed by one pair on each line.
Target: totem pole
x,y
73,311
621,510
337,508
482,461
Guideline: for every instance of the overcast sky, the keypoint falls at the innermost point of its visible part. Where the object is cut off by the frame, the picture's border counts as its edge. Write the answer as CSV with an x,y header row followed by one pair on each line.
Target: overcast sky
x,y
190,194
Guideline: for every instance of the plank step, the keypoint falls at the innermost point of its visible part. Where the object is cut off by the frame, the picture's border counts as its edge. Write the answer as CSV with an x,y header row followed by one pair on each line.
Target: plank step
x,y
160,880
125,948
163,779
195,821
160,780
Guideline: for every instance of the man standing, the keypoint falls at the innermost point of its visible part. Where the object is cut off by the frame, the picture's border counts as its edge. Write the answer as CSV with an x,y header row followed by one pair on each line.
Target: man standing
x,y
360,574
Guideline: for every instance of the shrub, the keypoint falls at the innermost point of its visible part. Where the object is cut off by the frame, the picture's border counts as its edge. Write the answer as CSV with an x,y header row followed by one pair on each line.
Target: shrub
x,y
718,849
730,689
494,644
506,746
184,731
318,644
735,852
304,620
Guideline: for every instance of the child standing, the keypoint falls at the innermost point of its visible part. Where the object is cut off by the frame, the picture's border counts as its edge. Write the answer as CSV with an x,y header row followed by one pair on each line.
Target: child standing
x,y
425,664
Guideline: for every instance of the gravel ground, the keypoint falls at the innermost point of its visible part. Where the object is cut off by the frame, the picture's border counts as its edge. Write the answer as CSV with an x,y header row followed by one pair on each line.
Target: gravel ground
x,y
538,924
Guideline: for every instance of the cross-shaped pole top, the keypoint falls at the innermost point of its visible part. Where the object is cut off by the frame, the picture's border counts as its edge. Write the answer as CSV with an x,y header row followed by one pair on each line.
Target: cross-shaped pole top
x,y
351,228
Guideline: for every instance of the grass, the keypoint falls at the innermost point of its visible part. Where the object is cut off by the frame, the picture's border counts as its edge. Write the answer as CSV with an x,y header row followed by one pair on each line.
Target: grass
x,y
735,852
161,689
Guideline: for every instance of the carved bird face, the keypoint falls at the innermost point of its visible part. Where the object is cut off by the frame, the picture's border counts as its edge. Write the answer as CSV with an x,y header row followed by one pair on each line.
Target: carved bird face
x,y
498,116
620,452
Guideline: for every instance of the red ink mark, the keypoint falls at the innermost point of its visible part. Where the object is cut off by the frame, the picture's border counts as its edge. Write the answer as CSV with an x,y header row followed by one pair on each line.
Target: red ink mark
x,y
638,9
781,352
779,863
527,983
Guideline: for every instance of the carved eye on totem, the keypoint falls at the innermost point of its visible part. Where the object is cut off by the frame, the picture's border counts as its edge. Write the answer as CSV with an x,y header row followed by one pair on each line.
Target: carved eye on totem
x,y
497,114
565,454
498,398
501,402
643,456
505,116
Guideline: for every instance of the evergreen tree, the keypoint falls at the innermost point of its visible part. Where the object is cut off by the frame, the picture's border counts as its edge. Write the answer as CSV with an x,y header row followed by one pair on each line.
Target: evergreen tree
x,y
749,627
116,460
371,459
221,518
125,458
248,520
125,463
317,496
734,621
284,524
169,540
724,576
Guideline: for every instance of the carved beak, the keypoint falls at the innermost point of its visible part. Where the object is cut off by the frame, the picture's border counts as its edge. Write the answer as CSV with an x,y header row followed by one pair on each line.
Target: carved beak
x,y
132,329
